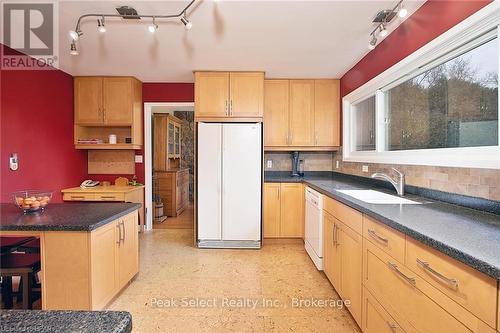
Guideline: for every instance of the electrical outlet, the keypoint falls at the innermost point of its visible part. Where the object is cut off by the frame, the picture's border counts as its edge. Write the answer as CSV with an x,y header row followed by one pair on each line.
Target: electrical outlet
x,y
138,158
337,164
269,164
364,168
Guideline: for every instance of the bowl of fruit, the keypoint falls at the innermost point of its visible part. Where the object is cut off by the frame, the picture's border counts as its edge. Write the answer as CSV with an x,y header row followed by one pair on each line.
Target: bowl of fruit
x,y
31,200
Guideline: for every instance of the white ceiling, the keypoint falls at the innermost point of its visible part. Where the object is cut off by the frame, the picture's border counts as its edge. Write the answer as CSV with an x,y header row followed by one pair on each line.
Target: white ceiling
x,y
286,39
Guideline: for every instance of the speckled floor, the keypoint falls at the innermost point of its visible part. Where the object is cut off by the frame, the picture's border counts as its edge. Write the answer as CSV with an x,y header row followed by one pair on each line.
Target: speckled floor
x,y
184,289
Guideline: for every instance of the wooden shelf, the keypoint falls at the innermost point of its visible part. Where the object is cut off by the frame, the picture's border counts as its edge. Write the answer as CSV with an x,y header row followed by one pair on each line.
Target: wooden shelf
x,y
108,146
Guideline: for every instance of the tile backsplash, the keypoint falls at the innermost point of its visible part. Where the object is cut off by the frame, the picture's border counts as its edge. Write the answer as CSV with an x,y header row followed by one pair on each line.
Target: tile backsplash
x,y
483,183
313,161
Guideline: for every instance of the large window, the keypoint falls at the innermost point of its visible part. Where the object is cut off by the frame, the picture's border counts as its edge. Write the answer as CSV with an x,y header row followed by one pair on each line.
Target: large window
x,y
439,106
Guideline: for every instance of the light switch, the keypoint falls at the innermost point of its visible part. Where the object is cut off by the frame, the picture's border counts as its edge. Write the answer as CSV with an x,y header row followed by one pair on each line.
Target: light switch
x,y
364,168
269,164
337,164
138,158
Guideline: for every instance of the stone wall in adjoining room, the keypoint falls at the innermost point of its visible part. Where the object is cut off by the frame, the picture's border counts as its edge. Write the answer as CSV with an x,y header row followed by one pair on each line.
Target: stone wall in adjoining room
x,y
187,147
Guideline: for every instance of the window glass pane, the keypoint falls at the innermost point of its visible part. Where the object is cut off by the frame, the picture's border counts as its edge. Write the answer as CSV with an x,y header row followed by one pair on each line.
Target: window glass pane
x,y
364,123
452,105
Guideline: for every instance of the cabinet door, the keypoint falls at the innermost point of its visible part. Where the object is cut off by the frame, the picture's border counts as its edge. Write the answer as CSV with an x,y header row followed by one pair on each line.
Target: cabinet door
x,y
331,251
351,245
128,249
292,210
88,100
247,94
211,93
272,210
118,100
276,111
104,260
302,112
160,143
326,113
375,317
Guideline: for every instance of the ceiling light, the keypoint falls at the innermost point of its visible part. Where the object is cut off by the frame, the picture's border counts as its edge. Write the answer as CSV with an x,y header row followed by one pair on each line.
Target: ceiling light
x,y
187,24
383,31
100,25
372,43
153,26
73,51
75,34
402,12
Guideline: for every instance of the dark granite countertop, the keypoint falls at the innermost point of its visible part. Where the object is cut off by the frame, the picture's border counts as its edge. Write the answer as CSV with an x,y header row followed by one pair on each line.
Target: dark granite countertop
x,y
468,235
70,216
65,321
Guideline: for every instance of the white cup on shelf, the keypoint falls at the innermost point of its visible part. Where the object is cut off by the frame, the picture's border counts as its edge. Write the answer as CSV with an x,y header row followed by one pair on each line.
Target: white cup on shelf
x,y
112,139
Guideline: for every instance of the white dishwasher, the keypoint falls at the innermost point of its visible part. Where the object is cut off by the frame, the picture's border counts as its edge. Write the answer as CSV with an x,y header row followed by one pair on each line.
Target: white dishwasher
x,y
314,226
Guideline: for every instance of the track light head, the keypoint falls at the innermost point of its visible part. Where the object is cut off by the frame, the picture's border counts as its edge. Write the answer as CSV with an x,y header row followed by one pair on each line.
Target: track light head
x,y
153,26
372,43
187,24
402,12
383,31
73,50
100,25
75,34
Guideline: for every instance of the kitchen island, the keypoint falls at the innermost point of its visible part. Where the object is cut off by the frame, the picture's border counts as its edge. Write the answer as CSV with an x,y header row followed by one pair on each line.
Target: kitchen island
x,y
89,251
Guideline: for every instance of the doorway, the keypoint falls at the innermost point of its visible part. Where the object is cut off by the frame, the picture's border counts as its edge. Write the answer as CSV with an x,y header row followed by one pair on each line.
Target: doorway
x,y
169,165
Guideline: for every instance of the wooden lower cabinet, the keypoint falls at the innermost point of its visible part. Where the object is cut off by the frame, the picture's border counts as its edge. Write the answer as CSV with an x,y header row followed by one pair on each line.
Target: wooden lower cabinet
x,y
342,253
375,318
173,188
283,210
412,301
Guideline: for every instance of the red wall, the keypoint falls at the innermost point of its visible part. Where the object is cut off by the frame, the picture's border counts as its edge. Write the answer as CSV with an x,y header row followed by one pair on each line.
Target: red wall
x,y
36,122
429,21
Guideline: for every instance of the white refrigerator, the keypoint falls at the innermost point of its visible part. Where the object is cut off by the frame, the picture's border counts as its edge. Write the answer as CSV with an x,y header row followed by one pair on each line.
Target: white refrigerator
x,y
229,185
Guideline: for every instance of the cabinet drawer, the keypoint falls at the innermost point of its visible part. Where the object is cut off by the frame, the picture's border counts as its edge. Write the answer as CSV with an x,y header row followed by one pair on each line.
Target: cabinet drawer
x,y
78,197
466,286
389,240
351,217
375,318
109,197
412,301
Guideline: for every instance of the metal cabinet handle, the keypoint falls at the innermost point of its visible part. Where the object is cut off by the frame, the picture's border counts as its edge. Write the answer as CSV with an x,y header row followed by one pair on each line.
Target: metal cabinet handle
x,y
124,231
278,193
231,107
392,326
377,237
408,279
226,108
119,234
333,235
77,197
451,283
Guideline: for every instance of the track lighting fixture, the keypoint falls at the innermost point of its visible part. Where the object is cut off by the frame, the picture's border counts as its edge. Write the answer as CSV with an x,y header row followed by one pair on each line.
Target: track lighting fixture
x,y
383,31
187,24
373,42
75,34
73,49
382,19
402,12
100,25
126,13
153,26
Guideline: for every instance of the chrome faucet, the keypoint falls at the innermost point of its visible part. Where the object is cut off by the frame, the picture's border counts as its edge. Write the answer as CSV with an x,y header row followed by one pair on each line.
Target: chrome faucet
x,y
399,184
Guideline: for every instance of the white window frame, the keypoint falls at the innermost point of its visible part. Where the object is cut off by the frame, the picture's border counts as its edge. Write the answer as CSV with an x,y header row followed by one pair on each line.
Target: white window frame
x,y
436,51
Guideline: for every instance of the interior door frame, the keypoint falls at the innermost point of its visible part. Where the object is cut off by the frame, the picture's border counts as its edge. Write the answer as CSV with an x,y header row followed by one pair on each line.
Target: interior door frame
x,y
148,157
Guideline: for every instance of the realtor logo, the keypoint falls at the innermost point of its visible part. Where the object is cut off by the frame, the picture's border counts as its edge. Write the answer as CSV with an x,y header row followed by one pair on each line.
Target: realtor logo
x,y
29,28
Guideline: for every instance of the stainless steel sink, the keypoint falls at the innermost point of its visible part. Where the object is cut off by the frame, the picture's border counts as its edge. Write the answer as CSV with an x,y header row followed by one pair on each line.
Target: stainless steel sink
x,y
375,197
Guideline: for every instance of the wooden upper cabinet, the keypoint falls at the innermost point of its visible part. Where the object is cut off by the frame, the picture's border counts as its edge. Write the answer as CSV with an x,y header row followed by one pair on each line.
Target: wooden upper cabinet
x,y
327,113
276,97
88,100
211,94
247,94
302,112
118,100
